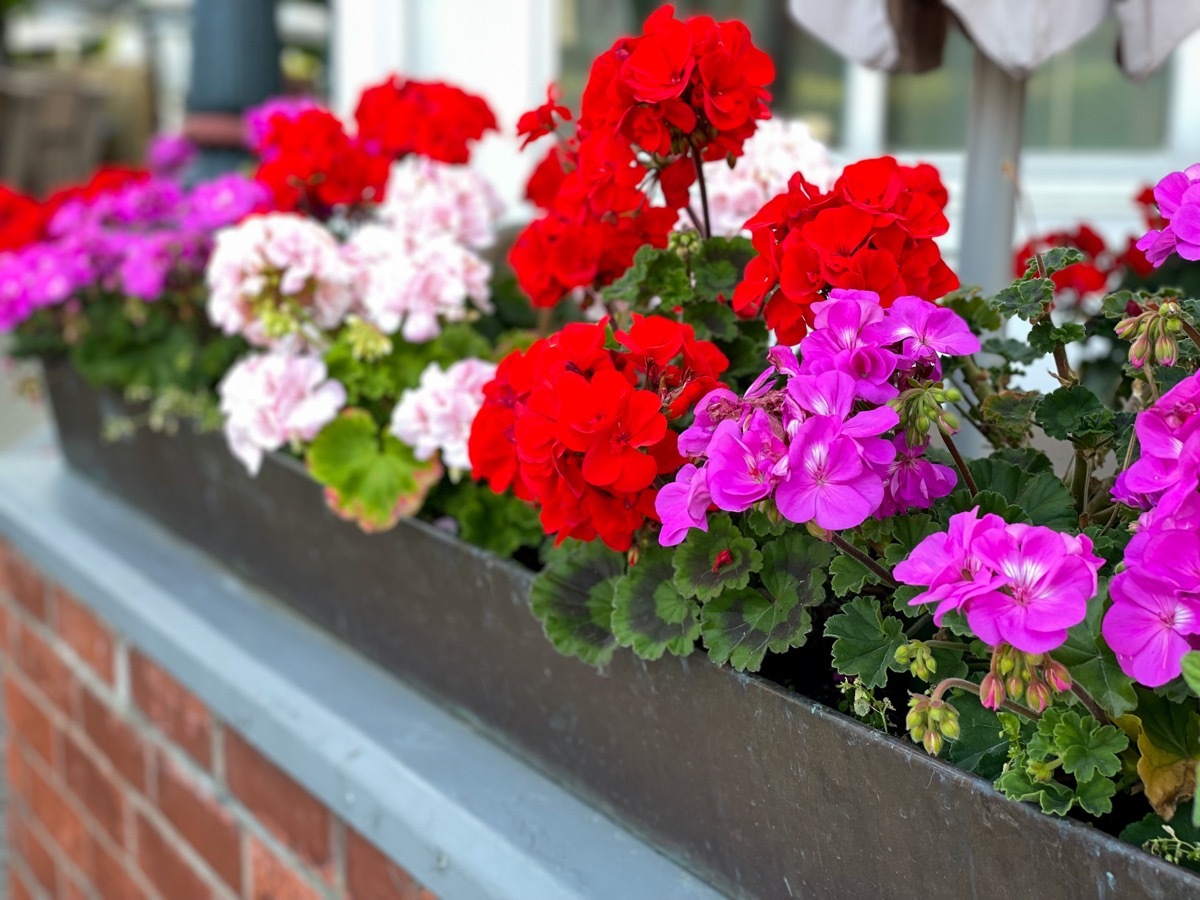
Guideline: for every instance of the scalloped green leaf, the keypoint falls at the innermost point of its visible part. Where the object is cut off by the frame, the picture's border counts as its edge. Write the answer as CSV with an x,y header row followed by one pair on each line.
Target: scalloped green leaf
x,y
709,562
865,641
760,522
848,576
1045,336
500,523
1011,413
1095,795
711,320
987,501
1027,298
655,272
1088,748
649,614
795,565
1017,352
1054,797
1041,496
741,625
907,533
1053,260
1076,414
573,599
370,478
1191,670
970,303
717,267
1025,458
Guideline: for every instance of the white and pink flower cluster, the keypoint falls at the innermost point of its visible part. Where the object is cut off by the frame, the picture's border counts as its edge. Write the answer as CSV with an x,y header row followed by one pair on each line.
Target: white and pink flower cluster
x,y
436,416
276,398
284,282
778,150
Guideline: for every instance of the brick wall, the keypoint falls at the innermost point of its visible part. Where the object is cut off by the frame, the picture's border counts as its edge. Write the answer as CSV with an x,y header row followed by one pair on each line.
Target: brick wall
x,y
124,785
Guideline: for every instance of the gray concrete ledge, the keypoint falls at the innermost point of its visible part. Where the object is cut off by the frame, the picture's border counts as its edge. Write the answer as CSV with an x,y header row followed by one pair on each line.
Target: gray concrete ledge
x,y
462,815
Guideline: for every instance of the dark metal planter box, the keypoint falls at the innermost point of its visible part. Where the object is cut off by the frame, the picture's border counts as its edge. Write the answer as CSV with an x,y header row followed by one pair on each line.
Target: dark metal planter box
x,y
764,792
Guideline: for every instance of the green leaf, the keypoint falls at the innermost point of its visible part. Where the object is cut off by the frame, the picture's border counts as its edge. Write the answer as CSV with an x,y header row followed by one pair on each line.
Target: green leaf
x,y
1150,828
1095,795
707,563
975,308
573,599
987,501
500,523
865,641
1094,666
654,273
759,522
1045,336
1054,797
907,532
1088,748
1026,298
794,566
1043,498
370,477
982,746
1191,670
711,320
1076,414
1025,458
741,625
1018,352
718,265
649,614
1010,412
849,576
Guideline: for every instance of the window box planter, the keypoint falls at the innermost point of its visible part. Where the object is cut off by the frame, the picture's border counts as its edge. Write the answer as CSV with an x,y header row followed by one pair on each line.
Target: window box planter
x,y
762,791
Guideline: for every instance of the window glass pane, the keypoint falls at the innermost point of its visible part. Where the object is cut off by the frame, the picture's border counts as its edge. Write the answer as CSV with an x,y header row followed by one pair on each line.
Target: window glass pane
x,y
1079,100
809,80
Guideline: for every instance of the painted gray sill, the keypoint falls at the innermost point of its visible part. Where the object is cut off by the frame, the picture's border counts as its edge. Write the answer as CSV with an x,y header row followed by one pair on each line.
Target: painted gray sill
x,y
462,815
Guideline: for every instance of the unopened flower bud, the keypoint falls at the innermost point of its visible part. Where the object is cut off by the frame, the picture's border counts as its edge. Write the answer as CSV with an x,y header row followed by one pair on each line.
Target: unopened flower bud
x,y
1040,771
1166,349
1058,676
1037,696
1138,351
950,728
933,743
991,692
1005,663
1129,328
1015,686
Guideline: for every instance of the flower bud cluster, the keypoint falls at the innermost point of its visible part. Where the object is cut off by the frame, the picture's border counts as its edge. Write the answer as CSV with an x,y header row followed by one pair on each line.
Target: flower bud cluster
x,y
1154,333
931,723
1030,677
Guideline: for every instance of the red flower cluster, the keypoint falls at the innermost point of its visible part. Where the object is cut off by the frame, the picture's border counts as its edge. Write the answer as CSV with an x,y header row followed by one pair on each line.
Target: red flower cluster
x,y
581,430
105,180
697,83
309,163
873,231
681,89
22,219
431,119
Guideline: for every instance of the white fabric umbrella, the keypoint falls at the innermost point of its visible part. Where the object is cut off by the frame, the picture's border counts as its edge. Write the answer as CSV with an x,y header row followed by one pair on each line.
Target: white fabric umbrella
x,y
1012,38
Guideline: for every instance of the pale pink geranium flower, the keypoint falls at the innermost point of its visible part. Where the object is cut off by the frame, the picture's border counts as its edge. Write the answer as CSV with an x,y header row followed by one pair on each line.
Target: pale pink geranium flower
x,y
436,416
412,283
273,399
426,198
271,262
1155,616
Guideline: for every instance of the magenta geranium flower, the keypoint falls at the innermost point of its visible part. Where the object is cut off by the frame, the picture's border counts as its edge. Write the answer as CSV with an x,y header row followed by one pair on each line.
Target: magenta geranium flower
x,y
1155,616
683,505
925,330
741,465
1178,199
1048,580
827,481
913,481
949,565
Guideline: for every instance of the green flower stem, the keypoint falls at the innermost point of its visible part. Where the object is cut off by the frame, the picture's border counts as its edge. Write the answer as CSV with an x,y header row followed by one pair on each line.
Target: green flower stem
x,y
1190,331
948,645
1090,702
1079,481
962,683
850,550
917,626
959,463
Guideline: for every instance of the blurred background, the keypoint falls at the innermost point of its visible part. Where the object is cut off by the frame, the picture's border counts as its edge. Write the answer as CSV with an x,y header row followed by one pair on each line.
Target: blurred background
x,y
84,82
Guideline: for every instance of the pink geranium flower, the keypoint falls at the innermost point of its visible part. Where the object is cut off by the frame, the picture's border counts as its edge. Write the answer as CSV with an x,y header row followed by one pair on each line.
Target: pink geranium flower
x,y
683,505
741,468
827,482
1155,616
1048,579
949,565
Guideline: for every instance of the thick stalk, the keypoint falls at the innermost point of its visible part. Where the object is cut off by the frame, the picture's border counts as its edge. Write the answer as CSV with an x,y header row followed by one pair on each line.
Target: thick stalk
x,y
703,189
1079,482
1190,331
850,550
959,462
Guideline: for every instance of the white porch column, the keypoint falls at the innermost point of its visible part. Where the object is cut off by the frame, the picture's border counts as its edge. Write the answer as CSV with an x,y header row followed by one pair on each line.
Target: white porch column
x,y
369,40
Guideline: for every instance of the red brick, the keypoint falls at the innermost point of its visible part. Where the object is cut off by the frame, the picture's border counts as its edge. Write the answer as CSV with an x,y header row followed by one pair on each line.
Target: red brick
x,y
116,739
28,846
287,810
16,885
111,877
99,794
86,634
372,876
45,669
26,720
62,823
198,816
172,708
165,867
273,879
18,769
25,584
5,624
69,888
